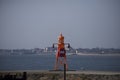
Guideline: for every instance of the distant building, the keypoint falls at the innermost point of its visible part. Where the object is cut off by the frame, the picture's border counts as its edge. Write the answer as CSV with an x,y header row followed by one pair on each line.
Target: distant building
x,y
49,49
37,50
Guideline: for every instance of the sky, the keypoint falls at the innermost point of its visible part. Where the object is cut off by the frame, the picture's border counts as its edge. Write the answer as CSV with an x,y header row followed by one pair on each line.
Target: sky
x,y
38,23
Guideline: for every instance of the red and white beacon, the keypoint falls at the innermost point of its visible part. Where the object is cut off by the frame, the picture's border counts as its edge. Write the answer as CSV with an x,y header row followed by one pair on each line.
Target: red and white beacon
x,y
61,58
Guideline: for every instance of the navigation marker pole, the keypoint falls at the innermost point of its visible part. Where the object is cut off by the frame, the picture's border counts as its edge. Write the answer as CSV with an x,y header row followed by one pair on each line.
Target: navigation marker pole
x,y
64,71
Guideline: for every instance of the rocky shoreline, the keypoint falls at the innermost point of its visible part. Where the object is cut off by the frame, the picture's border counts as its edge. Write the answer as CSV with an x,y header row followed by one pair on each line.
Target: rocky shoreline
x,y
72,77
46,75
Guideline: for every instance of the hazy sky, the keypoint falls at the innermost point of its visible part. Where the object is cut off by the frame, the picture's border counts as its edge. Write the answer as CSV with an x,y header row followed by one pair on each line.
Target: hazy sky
x,y
37,23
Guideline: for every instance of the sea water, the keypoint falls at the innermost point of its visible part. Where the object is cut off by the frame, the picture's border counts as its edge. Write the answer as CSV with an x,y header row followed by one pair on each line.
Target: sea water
x,y
47,62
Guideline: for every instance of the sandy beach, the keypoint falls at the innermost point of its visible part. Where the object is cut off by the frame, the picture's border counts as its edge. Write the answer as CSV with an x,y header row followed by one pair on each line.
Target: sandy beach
x,y
59,75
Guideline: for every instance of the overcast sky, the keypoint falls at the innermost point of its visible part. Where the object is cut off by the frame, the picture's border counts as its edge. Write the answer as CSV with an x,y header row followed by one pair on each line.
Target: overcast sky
x,y
37,23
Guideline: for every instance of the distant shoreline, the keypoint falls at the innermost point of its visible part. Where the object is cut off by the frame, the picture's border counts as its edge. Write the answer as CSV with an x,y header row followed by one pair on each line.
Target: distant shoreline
x,y
70,54
97,54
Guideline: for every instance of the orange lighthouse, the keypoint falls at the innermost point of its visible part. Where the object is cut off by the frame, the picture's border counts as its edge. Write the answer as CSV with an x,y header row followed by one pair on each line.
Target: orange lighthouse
x,y
61,52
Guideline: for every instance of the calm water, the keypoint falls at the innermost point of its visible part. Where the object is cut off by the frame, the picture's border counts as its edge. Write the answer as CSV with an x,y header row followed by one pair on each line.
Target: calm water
x,y
46,62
